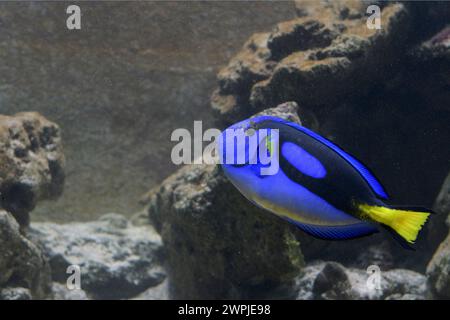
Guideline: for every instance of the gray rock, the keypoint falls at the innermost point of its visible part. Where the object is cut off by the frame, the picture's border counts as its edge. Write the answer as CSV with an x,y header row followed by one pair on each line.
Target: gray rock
x,y
116,258
442,204
434,53
436,47
404,282
331,281
379,255
15,294
61,292
438,270
407,296
31,163
159,292
218,244
438,227
23,269
305,283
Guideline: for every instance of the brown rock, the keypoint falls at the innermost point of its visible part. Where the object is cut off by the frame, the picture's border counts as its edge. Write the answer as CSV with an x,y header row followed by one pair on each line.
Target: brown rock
x,y
326,54
31,163
249,66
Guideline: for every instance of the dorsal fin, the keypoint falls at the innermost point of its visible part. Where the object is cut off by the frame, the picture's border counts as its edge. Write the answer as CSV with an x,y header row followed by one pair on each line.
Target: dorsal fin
x,y
363,170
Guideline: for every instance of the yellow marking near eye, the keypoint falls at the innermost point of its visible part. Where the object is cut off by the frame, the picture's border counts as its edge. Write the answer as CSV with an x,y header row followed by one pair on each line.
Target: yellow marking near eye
x,y
269,143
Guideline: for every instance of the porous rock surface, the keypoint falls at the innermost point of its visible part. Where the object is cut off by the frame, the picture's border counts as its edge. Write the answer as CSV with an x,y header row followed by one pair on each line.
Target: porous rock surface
x,y
326,53
438,270
24,271
365,89
218,244
31,163
332,281
116,258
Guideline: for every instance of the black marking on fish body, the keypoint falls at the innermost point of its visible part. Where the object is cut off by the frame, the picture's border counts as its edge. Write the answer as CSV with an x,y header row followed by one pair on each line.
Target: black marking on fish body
x,y
342,184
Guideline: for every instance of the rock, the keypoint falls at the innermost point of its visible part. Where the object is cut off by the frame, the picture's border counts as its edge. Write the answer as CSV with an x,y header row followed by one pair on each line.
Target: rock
x,y
23,269
438,270
433,56
248,67
31,169
160,292
331,280
379,255
384,123
15,294
367,89
116,258
407,296
61,292
442,204
324,55
288,111
305,282
218,244
438,228
436,47
404,282
31,163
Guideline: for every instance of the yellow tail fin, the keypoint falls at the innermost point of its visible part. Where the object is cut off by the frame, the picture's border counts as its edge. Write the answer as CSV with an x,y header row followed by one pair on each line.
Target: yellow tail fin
x,y
405,222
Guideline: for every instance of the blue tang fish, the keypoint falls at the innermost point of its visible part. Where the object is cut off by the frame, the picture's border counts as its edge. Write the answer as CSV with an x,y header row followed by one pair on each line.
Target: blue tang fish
x,y
318,187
